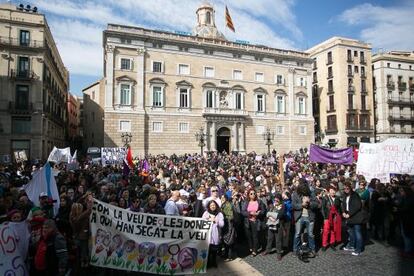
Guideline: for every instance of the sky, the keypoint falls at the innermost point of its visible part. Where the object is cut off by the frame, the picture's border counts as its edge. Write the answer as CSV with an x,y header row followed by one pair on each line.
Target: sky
x,y
77,25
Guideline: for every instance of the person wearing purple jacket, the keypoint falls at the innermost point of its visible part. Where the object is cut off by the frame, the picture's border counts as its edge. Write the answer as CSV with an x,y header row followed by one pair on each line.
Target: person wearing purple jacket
x,y
214,215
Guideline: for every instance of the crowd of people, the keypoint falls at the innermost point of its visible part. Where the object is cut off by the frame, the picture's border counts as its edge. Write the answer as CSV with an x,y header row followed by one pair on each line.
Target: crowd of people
x,y
276,206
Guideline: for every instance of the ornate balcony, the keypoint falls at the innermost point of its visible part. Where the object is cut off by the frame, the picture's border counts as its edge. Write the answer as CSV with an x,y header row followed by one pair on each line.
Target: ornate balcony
x,y
208,111
390,85
400,101
22,109
17,42
362,60
402,86
22,75
401,118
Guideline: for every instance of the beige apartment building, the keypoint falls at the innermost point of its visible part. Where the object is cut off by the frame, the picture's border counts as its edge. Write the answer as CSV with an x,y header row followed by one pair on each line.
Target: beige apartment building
x,y
393,76
93,114
342,92
163,87
33,84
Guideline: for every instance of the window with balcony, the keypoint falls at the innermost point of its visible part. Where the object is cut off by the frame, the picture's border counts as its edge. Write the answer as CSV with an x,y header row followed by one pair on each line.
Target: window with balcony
x,y
351,121
22,97
362,57
355,53
209,98
24,38
331,123
260,103
125,91
239,100
363,102
349,55
329,58
301,81
350,101
301,101
356,69
330,72
280,103
184,98
157,96
330,86
363,72
23,67
331,103
363,86
364,121
315,77
349,70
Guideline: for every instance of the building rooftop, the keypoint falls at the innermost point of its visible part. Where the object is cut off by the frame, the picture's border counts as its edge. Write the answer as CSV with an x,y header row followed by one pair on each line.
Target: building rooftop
x,y
187,38
394,55
337,40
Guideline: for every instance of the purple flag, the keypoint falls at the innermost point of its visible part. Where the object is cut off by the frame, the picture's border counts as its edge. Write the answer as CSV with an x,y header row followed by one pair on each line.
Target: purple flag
x,y
323,155
145,166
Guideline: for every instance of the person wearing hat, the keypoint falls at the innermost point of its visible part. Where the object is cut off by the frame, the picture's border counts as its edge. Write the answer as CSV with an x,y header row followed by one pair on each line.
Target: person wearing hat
x,y
332,222
46,205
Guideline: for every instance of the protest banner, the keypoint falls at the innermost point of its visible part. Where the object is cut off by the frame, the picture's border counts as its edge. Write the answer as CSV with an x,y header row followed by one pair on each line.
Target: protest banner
x,y
59,155
113,156
379,160
12,262
149,243
324,155
20,156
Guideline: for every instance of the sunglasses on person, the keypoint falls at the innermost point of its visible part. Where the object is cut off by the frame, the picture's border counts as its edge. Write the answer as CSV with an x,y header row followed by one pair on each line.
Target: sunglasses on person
x,y
214,191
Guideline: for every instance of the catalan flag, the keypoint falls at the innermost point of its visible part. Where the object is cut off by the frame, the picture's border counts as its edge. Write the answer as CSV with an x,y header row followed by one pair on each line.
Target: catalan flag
x,y
229,22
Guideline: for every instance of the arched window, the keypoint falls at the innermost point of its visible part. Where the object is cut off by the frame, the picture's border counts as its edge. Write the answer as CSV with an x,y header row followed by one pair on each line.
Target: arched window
x,y
208,18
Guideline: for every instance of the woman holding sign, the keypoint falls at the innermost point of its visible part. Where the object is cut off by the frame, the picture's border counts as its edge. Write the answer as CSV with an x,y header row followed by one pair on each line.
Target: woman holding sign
x,y
214,215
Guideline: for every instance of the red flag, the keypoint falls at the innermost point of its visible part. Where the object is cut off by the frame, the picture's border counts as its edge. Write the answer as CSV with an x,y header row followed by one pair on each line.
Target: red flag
x,y
129,158
229,21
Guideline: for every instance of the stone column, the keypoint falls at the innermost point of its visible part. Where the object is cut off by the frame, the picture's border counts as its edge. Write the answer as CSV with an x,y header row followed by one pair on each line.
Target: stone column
x,y
109,76
139,87
241,141
208,137
213,137
234,140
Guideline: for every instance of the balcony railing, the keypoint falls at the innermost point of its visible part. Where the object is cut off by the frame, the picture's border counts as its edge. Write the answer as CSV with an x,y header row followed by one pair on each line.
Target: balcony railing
x,y
364,90
351,88
331,130
330,76
349,128
400,118
17,42
362,60
22,74
402,86
401,101
350,74
363,75
390,85
329,62
349,59
15,108
224,111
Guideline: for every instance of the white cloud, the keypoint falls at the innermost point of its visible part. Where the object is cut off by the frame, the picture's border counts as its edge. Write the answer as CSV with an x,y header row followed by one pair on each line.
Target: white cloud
x,y
390,28
77,25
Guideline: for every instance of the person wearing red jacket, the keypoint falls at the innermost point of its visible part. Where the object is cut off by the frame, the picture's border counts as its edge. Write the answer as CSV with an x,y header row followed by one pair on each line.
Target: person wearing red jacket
x,y
332,222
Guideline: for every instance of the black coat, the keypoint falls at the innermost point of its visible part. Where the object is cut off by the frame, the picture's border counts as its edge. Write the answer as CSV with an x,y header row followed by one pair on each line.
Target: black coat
x,y
326,206
355,211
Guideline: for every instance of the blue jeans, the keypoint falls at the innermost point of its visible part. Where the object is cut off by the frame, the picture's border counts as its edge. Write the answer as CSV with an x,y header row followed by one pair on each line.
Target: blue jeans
x,y
308,225
355,237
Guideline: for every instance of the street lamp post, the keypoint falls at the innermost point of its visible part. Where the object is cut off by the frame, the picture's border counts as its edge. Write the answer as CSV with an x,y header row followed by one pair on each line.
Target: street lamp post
x,y
268,136
126,138
201,139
